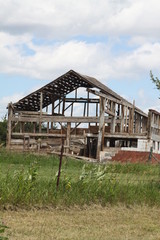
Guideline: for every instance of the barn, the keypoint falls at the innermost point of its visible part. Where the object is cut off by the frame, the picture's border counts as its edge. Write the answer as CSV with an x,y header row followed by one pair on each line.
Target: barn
x,y
92,120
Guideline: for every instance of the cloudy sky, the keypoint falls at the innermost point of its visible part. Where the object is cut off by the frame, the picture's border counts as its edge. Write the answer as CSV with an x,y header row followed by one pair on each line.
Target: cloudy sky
x,y
116,41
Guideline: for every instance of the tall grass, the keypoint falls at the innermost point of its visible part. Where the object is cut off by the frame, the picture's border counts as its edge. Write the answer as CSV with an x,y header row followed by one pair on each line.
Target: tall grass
x,y
27,180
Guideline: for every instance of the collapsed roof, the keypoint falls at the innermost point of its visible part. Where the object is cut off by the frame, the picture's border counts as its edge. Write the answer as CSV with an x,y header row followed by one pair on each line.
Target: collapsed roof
x,y
63,85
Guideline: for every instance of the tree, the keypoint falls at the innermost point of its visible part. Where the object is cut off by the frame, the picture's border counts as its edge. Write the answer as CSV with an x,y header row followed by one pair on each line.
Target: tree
x,y
155,80
3,130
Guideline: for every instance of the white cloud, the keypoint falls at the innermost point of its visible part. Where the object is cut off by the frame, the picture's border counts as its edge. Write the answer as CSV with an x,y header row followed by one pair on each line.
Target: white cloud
x,y
49,60
154,105
139,61
21,21
95,59
7,99
140,18
60,18
54,18
59,24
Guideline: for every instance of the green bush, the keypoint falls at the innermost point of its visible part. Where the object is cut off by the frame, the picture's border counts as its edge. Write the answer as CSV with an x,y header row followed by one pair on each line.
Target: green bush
x,y
3,130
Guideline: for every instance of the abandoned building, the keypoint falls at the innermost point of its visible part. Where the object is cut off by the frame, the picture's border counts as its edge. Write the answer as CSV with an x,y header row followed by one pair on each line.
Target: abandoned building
x,y
93,120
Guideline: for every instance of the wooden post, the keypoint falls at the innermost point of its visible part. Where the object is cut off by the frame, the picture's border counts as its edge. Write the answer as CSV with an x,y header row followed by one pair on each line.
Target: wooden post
x,y
138,123
133,110
85,142
53,103
122,119
34,127
76,93
96,111
9,125
41,103
118,111
130,120
101,126
21,127
126,116
149,124
84,111
59,107
47,127
60,164
72,110
113,118
63,108
68,137
41,107
88,106
144,124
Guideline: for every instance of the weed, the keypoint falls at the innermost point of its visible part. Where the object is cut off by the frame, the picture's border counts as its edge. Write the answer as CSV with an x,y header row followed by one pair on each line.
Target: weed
x,y
31,180
2,230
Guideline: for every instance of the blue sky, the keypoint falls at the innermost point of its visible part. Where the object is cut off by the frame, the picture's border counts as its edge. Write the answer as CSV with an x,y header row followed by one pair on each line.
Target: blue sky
x,y
118,42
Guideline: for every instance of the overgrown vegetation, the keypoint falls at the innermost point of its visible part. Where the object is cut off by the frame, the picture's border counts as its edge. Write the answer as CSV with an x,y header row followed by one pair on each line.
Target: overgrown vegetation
x,y
27,180
155,80
3,130
2,230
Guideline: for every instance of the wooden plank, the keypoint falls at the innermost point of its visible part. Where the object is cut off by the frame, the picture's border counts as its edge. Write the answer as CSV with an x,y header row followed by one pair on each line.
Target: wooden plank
x,y
108,97
82,100
61,119
30,113
120,135
75,156
126,136
38,135
110,112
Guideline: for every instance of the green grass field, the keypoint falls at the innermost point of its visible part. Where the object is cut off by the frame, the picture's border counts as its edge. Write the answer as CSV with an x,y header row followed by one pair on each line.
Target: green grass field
x,y
112,201
30,180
